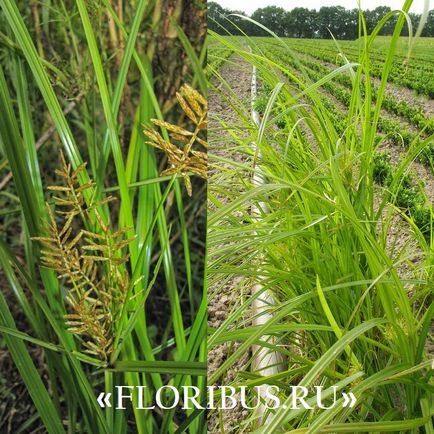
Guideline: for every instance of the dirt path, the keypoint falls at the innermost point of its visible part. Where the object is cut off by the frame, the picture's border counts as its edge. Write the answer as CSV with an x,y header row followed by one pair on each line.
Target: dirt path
x,y
223,297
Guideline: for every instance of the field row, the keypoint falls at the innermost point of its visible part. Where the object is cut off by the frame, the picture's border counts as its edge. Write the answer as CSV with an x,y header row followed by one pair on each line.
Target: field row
x,y
395,128
336,96
416,74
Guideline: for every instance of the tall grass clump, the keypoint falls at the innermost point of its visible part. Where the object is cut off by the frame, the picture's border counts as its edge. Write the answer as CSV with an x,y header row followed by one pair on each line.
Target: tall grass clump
x,y
350,273
101,254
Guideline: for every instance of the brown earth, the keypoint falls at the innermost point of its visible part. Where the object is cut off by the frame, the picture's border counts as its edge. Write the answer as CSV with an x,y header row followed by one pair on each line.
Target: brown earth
x,y
224,298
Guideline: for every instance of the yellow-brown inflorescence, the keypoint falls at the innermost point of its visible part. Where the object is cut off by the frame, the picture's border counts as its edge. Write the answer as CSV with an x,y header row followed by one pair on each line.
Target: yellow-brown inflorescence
x,y
90,260
183,159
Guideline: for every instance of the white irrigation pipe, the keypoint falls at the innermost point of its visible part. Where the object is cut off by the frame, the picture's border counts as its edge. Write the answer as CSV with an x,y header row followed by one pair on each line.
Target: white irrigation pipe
x,y
265,362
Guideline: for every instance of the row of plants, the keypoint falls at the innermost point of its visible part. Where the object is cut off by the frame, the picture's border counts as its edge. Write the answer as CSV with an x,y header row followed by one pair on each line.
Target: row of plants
x,y
393,128
414,115
417,78
217,56
419,54
419,58
409,196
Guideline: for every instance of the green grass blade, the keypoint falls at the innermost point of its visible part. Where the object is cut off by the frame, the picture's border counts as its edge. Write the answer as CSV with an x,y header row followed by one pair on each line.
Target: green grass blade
x,y
126,213
162,367
24,40
29,374
196,64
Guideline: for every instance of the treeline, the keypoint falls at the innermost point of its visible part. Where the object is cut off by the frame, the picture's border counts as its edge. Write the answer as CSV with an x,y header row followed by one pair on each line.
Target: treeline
x,y
309,23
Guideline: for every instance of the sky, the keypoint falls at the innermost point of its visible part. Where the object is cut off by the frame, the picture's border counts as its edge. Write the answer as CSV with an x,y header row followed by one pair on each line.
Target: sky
x,y
249,6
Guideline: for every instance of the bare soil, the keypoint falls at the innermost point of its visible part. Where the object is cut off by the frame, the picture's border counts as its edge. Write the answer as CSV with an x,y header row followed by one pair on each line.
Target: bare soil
x,y
222,299
16,406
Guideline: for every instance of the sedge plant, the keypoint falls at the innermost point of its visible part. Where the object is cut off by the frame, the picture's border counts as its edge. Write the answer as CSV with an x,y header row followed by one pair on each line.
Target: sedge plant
x,y
88,240
353,302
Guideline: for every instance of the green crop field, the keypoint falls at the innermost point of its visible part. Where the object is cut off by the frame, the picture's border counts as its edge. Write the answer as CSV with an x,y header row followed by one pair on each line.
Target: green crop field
x,y
341,234
404,123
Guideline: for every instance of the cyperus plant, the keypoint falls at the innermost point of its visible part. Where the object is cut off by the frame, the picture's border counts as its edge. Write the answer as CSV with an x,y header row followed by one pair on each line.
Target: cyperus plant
x,y
182,158
89,259
82,76
349,271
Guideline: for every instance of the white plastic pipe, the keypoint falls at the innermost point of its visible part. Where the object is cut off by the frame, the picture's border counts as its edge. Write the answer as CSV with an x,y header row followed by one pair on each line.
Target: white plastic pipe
x,y
265,361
